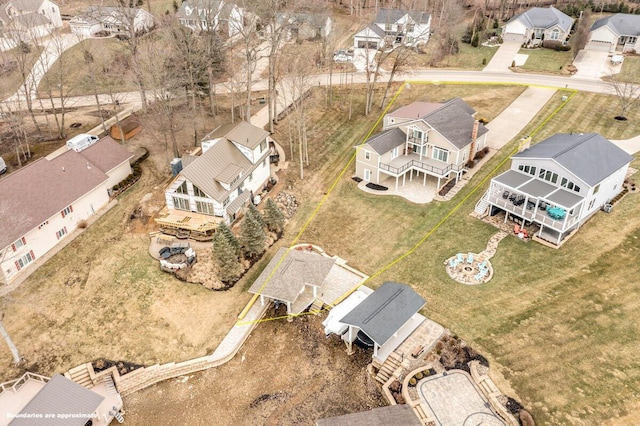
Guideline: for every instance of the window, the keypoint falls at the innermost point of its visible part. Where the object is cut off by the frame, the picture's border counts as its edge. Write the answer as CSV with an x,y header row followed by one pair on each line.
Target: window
x,y
548,175
235,180
182,189
555,35
198,192
181,203
205,208
367,175
25,260
566,183
67,210
531,170
367,155
263,145
387,27
18,243
440,154
596,189
61,232
400,27
410,27
394,152
226,202
591,203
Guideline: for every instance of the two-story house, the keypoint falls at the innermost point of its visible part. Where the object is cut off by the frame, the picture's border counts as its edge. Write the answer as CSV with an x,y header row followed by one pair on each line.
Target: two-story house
x,y
43,202
215,186
211,15
538,24
394,27
423,139
558,183
29,19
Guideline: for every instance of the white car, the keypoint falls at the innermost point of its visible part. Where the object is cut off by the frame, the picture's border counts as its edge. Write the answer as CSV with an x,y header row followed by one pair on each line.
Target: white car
x,y
342,56
617,59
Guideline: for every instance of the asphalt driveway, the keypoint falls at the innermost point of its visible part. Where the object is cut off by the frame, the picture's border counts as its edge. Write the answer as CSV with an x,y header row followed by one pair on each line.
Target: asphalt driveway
x,y
503,58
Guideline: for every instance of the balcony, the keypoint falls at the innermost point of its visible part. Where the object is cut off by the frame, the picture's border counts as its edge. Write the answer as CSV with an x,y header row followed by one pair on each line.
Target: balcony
x,y
403,163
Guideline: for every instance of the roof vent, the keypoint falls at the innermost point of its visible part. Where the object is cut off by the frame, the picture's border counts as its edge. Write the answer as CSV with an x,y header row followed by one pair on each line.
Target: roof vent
x,y
63,168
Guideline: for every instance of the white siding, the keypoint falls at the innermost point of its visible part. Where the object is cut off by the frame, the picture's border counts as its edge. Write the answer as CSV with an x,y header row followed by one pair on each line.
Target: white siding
x,y
118,174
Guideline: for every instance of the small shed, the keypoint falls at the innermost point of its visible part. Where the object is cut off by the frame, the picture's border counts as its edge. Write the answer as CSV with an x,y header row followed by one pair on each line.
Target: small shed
x,y
387,317
130,127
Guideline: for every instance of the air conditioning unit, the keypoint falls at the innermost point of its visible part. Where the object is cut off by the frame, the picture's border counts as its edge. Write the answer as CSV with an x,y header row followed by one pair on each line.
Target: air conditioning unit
x,y
607,208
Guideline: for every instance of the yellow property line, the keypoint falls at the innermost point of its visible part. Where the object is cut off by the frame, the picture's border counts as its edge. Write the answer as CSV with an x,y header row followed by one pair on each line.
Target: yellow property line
x,y
431,231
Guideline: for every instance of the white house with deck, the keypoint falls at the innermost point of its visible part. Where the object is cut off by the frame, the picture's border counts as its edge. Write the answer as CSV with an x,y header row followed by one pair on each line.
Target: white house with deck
x,y
41,203
114,20
558,183
619,32
425,140
29,19
216,185
394,27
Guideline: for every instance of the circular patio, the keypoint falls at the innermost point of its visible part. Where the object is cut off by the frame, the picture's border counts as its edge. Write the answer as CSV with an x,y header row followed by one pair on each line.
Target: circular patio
x,y
469,268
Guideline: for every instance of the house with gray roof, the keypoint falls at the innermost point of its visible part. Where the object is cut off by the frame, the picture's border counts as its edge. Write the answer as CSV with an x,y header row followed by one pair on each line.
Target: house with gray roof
x,y
384,319
29,19
45,201
394,27
114,20
211,15
423,140
558,184
619,32
298,278
215,186
538,24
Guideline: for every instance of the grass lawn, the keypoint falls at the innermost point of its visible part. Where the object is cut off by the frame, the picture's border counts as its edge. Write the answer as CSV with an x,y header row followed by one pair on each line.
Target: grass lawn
x,y
631,69
557,325
12,80
546,61
82,75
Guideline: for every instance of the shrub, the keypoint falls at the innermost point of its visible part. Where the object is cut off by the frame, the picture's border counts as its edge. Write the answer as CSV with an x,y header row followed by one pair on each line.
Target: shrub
x,y
413,381
485,149
513,64
419,375
83,224
479,155
470,164
484,61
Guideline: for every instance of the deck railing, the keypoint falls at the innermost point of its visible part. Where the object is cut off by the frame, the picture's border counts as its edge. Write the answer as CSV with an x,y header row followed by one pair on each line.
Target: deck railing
x,y
422,166
540,216
16,384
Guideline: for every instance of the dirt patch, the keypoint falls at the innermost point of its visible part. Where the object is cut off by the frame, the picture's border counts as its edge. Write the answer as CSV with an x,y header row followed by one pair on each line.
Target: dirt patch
x,y
314,378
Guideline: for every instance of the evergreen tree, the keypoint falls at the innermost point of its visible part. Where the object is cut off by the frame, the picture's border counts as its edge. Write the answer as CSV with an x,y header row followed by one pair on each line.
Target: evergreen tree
x,y
224,229
252,211
226,256
252,236
273,217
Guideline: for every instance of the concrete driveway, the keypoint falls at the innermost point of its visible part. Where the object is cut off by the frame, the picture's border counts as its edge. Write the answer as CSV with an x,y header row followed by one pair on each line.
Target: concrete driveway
x,y
503,58
592,64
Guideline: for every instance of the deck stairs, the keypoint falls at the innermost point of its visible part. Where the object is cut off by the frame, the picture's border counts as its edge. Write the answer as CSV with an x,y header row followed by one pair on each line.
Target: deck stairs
x,y
80,375
111,387
388,368
482,205
316,306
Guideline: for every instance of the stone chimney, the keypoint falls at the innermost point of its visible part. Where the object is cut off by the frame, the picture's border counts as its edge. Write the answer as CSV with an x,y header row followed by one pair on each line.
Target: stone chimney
x,y
474,137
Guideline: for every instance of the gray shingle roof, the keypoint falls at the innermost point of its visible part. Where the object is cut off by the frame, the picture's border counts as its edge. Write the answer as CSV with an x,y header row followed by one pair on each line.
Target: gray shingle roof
x,y
392,415
299,268
34,193
387,140
454,120
589,156
622,24
545,17
60,396
385,311
390,16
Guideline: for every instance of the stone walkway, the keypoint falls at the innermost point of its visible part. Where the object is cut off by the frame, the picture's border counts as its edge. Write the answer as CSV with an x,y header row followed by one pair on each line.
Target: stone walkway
x,y
467,272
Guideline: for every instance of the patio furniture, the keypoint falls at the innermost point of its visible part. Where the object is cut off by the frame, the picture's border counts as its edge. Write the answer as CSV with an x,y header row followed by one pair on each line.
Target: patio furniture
x,y
516,229
459,258
453,263
470,258
483,265
556,213
480,275
505,194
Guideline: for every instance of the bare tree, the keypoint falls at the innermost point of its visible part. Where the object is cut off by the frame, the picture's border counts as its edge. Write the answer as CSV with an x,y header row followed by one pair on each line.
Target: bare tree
x,y
580,37
628,93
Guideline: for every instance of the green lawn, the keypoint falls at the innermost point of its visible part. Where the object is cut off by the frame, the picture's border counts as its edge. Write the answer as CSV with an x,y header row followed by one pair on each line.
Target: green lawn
x,y
631,69
546,61
557,325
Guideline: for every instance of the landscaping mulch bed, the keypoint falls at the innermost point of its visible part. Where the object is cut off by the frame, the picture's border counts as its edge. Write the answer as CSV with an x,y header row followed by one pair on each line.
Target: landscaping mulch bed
x,y
122,366
376,187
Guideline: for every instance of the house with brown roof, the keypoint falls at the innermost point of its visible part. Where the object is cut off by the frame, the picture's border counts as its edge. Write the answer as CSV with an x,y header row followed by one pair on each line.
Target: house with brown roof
x,y
215,186
423,140
41,203
28,19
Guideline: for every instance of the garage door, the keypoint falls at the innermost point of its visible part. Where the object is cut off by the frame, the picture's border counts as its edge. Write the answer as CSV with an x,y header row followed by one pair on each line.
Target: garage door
x,y
600,46
513,37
